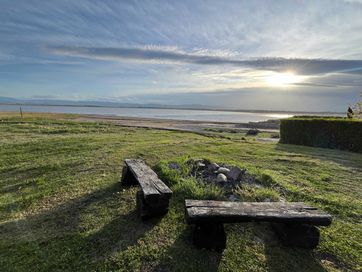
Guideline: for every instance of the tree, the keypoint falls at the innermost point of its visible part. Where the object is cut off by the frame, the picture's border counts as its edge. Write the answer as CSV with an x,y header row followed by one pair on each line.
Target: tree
x,y
358,109
355,111
350,113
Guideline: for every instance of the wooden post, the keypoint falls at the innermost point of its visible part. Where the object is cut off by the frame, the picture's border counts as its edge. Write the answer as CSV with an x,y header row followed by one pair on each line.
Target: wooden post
x,y
209,236
141,206
21,113
146,211
127,177
297,235
153,198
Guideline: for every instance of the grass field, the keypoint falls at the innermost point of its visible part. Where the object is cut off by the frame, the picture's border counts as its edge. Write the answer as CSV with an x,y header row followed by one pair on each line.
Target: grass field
x,y
62,207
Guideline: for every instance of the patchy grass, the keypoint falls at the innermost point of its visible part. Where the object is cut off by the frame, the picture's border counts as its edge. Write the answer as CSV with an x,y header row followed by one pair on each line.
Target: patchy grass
x,y
252,193
62,207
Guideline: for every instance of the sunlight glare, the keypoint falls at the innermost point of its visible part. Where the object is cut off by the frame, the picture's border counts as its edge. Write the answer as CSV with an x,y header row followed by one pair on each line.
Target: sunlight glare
x,y
283,79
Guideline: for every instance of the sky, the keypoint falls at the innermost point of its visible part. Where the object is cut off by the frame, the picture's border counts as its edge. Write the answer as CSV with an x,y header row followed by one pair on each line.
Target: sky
x,y
277,55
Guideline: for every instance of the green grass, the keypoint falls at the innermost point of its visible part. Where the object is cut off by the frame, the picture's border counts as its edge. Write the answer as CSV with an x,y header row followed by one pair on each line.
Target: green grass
x,y
251,193
62,207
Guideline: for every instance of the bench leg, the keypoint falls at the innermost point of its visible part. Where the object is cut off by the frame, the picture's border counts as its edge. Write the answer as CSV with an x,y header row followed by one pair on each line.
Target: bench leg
x,y
210,236
127,177
145,211
297,235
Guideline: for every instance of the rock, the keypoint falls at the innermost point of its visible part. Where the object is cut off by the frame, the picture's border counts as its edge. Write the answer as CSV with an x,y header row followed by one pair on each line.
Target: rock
x,y
174,166
253,132
221,178
200,165
213,167
234,173
223,170
233,198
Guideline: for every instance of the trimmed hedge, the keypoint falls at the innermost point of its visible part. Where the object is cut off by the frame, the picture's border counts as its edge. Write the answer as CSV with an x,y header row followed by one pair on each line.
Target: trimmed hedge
x,y
338,133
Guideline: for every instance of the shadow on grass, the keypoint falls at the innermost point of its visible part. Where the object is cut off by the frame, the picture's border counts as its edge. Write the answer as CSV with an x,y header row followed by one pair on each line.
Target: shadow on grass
x,y
76,235
183,256
342,157
291,259
280,258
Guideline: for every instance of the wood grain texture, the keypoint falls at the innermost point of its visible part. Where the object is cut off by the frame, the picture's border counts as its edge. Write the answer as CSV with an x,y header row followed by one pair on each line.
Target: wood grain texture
x,y
155,192
297,235
147,178
207,211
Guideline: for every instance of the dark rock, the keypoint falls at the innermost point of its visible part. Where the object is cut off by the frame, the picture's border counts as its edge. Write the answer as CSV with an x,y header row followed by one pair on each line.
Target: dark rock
x,y
253,132
213,167
174,166
234,173
233,198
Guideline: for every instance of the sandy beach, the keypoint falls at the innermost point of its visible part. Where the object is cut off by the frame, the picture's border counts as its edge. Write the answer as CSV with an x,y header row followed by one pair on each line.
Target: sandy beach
x,y
167,124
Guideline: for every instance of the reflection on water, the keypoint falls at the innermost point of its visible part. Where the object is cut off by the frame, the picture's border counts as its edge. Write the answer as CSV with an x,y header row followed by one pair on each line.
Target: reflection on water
x,y
177,114
278,116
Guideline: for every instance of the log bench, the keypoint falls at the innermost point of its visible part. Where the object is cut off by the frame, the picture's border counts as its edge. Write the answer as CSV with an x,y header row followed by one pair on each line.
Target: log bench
x,y
153,198
294,222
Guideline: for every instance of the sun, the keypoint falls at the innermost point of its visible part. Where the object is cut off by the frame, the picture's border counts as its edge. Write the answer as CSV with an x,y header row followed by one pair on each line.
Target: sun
x,y
283,79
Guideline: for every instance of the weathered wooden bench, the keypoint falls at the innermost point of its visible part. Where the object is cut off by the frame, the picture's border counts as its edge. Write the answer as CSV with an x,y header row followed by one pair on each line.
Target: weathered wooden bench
x,y
294,222
153,198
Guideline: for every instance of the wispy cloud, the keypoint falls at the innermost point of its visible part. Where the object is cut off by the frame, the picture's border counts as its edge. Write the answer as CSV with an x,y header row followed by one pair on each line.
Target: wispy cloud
x,y
298,65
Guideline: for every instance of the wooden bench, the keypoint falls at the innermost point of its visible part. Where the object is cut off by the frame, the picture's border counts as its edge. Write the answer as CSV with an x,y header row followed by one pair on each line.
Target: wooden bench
x,y
153,198
294,222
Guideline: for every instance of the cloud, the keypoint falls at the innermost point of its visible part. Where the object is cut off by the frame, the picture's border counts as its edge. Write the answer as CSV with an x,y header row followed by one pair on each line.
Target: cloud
x,y
300,66
353,1
311,84
193,47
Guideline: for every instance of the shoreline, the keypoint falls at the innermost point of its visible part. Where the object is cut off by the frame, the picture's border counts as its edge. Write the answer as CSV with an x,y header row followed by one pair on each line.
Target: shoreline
x,y
155,123
170,124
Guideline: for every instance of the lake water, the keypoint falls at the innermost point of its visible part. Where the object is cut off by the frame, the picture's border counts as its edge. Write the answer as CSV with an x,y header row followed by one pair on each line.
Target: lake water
x,y
176,114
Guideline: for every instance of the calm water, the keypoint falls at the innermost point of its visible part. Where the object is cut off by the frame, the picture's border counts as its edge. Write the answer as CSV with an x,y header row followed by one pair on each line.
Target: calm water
x,y
196,115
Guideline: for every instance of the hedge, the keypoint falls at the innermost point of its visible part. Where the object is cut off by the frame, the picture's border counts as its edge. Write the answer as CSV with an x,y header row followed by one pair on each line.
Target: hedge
x,y
339,133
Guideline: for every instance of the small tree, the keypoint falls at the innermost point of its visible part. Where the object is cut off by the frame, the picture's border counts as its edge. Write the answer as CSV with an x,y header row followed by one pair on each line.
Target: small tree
x,y
358,109
350,113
